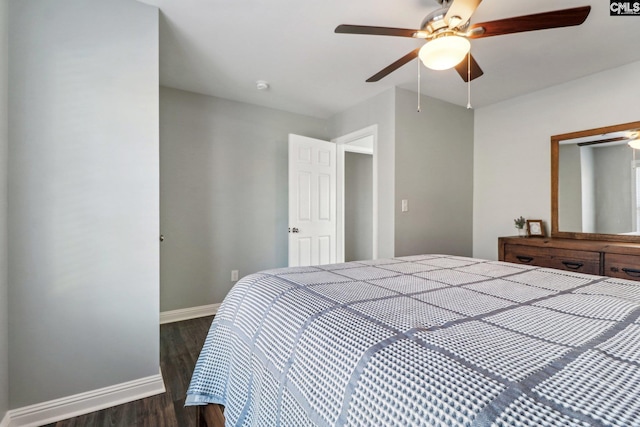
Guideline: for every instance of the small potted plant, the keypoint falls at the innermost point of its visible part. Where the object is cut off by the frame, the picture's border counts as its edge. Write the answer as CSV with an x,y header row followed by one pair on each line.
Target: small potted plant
x,y
520,223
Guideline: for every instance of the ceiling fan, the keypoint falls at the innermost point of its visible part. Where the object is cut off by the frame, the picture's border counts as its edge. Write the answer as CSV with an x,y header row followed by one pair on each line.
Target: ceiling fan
x,y
447,31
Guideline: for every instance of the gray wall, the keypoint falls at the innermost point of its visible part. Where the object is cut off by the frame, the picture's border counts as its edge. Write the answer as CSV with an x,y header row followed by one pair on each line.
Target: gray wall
x,y
358,212
379,110
569,188
612,167
83,196
434,172
512,174
588,190
4,325
224,204
594,189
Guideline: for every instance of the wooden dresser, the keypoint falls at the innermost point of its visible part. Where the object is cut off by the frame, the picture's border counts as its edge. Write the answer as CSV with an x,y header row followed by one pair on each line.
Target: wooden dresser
x,y
614,259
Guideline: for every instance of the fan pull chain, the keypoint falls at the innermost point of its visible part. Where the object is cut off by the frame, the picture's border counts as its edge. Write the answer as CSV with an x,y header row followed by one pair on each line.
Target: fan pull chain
x,y
418,85
469,80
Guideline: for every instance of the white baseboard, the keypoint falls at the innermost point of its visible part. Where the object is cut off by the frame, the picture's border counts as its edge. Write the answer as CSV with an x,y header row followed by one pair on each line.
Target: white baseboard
x,y
5,421
84,403
188,313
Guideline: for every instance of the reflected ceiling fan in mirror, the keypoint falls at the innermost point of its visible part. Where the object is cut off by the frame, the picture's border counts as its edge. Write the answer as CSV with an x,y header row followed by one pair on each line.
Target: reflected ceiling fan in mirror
x,y
447,31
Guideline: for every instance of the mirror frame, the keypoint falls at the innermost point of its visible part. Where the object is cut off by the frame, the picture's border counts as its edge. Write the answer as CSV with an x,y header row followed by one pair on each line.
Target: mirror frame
x,y
555,144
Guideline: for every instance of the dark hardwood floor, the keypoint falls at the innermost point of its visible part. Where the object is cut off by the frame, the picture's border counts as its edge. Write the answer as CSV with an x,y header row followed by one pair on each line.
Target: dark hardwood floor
x,y
180,345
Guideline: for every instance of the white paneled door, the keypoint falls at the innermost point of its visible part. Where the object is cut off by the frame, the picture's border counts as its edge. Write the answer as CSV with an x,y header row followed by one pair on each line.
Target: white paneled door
x,y
312,201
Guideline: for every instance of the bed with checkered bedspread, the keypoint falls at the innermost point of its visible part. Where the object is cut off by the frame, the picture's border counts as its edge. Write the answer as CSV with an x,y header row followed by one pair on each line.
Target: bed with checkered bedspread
x,y
425,340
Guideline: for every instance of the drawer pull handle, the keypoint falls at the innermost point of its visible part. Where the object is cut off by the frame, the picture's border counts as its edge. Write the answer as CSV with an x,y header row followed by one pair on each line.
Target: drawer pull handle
x,y
524,258
632,272
574,265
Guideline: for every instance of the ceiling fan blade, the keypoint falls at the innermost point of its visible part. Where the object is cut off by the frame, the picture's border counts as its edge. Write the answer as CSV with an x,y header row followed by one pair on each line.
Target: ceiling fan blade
x,y
376,31
462,9
603,141
463,70
391,68
538,21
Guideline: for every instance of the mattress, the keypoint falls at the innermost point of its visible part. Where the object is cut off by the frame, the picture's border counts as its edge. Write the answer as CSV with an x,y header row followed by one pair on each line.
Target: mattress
x,y
429,340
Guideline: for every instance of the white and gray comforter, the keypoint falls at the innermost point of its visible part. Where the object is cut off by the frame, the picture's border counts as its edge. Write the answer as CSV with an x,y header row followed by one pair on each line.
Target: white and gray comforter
x,y
429,340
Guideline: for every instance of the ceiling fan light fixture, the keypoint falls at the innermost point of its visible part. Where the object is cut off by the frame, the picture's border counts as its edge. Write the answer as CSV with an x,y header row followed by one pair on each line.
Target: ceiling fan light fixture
x,y
444,52
454,21
635,141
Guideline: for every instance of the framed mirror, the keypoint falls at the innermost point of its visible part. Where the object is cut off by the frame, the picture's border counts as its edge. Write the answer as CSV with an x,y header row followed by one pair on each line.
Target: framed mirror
x,y
595,184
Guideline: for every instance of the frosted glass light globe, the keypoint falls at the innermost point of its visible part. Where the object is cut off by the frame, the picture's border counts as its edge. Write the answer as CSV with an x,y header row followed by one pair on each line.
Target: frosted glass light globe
x,y
444,52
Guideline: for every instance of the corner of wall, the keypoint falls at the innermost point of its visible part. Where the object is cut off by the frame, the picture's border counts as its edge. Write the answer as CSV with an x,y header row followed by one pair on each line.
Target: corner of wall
x,y
433,146
378,110
94,212
4,146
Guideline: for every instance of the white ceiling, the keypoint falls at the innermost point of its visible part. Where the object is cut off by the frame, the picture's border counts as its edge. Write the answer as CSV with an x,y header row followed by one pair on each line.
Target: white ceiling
x,y
222,47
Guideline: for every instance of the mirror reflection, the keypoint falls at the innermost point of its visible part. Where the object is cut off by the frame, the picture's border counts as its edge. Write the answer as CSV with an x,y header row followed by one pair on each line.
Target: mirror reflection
x,y
599,183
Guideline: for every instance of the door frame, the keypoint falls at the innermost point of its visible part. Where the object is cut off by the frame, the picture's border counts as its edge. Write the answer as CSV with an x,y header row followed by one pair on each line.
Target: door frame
x,y
345,144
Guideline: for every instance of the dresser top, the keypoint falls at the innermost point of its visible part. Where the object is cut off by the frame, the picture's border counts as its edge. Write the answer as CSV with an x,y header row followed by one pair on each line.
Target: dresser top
x,y
574,244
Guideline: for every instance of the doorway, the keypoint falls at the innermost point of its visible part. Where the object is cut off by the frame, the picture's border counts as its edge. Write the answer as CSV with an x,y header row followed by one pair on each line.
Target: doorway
x,y
357,195
358,212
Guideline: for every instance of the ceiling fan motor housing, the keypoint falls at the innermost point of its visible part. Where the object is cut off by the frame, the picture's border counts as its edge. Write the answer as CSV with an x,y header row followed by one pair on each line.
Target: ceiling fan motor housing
x,y
434,22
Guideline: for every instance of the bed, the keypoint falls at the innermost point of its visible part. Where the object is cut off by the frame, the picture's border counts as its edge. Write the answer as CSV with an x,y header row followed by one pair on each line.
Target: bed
x,y
430,340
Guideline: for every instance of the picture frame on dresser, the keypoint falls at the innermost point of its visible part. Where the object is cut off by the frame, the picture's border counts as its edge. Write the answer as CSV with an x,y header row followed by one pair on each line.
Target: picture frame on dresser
x,y
535,228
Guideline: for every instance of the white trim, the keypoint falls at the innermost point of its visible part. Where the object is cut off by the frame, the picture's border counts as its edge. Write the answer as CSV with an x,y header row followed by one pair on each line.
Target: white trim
x,y
188,313
357,149
5,421
342,143
635,164
84,403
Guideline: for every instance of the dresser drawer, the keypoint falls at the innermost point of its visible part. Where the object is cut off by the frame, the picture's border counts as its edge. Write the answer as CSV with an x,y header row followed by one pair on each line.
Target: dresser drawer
x,y
529,255
580,261
622,266
587,262
600,257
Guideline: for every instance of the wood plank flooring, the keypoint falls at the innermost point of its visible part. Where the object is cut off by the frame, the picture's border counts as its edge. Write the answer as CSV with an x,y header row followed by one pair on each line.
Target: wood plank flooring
x,y
180,345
